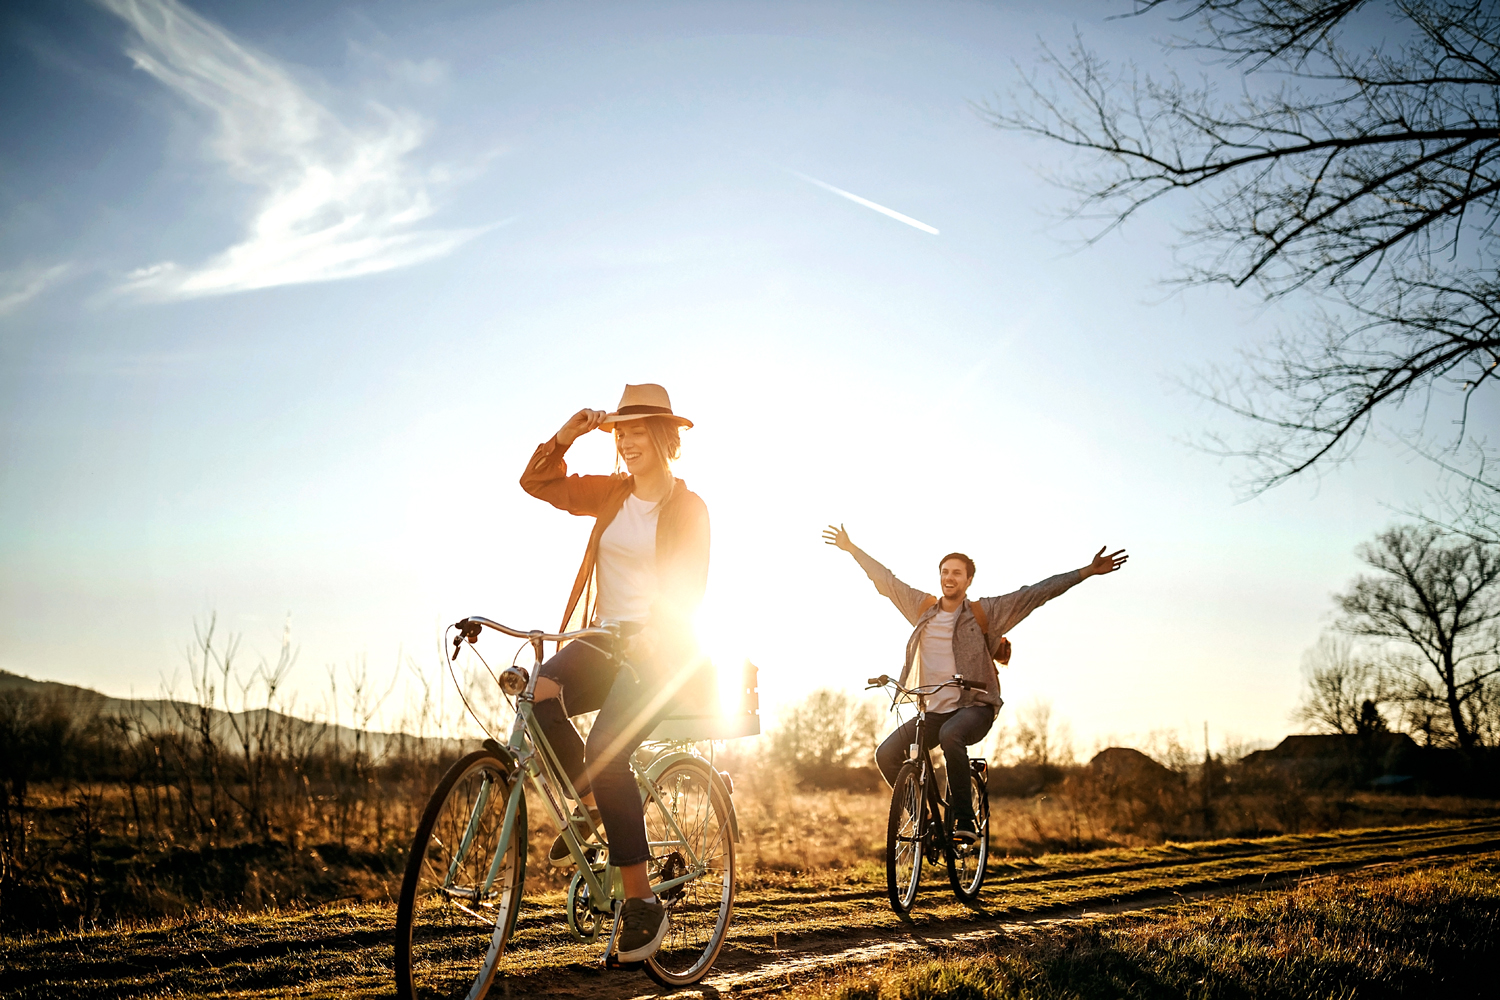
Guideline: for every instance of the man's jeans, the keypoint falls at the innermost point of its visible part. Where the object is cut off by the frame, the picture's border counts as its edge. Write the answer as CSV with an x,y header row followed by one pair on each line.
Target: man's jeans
x,y
954,732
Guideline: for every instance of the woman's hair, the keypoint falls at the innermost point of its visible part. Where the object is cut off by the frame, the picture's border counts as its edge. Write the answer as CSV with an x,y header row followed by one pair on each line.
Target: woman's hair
x,y
666,435
666,438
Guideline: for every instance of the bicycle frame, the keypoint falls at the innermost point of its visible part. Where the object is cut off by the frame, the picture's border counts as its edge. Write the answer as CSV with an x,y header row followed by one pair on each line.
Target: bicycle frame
x,y
536,761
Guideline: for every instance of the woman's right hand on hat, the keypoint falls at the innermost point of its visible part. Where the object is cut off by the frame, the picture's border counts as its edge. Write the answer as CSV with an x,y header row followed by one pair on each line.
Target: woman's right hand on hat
x,y
579,424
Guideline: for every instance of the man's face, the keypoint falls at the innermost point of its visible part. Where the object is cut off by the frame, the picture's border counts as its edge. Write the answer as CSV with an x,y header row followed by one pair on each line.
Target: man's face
x,y
954,577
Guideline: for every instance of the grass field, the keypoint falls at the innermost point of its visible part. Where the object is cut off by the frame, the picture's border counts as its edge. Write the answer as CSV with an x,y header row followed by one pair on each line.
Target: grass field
x,y
799,929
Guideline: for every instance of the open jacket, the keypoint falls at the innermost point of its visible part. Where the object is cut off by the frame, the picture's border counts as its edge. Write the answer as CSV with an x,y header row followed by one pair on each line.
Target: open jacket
x,y
681,537
973,658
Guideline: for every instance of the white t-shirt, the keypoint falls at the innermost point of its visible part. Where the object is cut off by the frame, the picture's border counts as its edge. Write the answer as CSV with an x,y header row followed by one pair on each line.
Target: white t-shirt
x,y
936,656
627,563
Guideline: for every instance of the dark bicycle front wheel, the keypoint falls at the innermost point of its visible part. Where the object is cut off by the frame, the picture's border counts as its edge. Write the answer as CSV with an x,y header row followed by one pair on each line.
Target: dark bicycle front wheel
x,y
967,863
903,839
458,901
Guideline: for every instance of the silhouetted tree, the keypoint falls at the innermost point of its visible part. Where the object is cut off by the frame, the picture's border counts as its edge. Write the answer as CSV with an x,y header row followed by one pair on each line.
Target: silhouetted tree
x,y
1370,174
1438,595
1340,680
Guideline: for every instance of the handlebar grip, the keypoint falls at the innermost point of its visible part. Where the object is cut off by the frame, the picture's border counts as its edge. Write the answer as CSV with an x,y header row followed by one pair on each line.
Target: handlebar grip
x,y
880,681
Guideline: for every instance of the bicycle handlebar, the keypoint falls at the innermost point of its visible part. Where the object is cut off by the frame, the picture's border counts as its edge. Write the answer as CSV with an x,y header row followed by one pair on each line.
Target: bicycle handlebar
x,y
470,627
925,689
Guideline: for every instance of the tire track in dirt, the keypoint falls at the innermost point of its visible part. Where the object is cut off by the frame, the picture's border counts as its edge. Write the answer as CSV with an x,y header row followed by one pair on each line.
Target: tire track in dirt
x,y
745,970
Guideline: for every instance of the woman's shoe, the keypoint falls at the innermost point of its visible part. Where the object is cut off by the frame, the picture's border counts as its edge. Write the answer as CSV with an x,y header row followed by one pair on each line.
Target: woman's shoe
x,y
643,926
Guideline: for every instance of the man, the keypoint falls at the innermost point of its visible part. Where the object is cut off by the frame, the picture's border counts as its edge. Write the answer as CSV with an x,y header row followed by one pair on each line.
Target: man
x,y
953,635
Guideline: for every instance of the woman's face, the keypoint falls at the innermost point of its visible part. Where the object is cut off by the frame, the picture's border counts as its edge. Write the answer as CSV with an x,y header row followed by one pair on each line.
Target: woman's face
x,y
636,448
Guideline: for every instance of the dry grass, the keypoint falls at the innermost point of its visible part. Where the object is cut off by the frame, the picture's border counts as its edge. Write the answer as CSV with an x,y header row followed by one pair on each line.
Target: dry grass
x,y
1415,932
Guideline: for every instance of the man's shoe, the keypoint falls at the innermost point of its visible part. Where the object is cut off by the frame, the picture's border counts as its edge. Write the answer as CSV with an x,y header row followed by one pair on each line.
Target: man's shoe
x,y
964,835
560,856
643,926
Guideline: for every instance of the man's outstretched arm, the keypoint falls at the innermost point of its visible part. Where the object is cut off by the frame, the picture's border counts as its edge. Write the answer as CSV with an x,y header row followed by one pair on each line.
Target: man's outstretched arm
x,y
1008,611
907,599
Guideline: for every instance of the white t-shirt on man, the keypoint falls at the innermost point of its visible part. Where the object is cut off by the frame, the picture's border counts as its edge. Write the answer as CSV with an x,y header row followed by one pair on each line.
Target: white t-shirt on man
x,y
626,568
936,657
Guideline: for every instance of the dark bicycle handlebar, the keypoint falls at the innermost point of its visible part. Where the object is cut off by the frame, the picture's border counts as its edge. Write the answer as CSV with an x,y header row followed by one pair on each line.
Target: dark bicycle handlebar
x,y
924,689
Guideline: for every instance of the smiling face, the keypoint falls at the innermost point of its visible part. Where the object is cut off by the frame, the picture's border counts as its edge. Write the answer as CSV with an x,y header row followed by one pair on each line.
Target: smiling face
x,y
637,449
953,576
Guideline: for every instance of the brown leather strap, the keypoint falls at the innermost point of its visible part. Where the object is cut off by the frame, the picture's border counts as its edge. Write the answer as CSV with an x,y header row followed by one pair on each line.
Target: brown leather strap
x,y
980,617
974,609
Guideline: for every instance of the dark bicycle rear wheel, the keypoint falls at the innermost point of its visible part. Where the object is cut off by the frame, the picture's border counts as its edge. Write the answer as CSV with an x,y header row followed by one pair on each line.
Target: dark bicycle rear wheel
x,y
904,833
966,864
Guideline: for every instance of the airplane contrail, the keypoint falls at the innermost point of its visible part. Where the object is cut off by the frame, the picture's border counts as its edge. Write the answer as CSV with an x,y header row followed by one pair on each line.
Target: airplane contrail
x,y
868,204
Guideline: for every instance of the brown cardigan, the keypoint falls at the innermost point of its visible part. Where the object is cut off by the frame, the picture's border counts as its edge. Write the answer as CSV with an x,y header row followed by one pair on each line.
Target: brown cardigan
x,y
681,534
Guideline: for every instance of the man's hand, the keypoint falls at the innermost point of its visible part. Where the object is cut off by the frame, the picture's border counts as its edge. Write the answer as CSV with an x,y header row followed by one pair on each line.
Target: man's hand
x,y
579,424
1102,563
837,537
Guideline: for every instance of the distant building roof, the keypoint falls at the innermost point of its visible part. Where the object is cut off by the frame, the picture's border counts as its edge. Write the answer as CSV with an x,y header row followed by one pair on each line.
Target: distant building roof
x,y
1127,762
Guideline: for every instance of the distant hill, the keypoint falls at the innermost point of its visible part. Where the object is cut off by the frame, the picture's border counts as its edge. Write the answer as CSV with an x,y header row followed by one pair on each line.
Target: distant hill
x,y
168,714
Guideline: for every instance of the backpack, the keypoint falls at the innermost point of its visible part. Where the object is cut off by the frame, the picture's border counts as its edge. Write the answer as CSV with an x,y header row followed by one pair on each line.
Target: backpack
x,y
1002,655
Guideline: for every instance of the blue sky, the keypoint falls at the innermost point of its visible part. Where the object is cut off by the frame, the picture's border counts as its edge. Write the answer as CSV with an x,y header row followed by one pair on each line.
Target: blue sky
x,y
288,294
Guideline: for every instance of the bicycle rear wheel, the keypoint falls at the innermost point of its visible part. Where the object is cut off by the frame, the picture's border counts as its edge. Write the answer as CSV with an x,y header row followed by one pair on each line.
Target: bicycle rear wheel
x,y
700,908
903,839
450,929
966,866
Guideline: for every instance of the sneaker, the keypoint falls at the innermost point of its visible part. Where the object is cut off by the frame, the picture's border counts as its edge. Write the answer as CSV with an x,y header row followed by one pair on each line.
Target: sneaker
x,y
560,856
643,926
964,834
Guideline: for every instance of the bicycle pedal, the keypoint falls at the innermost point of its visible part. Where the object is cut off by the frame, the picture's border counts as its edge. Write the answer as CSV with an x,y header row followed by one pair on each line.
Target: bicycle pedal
x,y
612,962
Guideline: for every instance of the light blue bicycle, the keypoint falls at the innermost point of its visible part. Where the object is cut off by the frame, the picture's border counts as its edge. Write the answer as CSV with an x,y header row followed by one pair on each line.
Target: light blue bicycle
x,y
464,877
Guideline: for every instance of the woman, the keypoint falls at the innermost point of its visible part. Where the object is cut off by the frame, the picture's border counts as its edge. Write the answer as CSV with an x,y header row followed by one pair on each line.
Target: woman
x,y
645,567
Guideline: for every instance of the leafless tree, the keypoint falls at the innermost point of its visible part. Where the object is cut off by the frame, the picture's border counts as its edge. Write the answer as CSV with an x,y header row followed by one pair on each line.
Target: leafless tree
x,y
1368,176
1345,687
1040,738
826,730
1437,595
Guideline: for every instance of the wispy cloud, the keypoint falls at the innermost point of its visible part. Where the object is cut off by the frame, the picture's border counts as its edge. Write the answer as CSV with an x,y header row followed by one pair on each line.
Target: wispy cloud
x,y
868,204
20,286
339,201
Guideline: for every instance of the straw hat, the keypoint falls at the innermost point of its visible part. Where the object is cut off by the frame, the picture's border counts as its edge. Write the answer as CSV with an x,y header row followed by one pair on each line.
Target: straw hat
x,y
642,401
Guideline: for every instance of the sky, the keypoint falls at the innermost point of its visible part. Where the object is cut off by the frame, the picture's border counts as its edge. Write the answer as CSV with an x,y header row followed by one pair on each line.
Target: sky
x,y
289,294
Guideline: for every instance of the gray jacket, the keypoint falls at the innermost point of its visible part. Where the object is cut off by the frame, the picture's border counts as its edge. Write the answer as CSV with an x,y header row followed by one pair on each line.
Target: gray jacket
x,y
975,661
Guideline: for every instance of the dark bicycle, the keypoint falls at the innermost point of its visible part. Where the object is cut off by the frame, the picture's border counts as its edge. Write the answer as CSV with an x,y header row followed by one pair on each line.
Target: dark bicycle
x,y
919,824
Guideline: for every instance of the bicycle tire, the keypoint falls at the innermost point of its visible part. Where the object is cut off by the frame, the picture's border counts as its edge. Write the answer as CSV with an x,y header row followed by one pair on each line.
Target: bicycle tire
x,y
966,869
903,839
448,946
700,909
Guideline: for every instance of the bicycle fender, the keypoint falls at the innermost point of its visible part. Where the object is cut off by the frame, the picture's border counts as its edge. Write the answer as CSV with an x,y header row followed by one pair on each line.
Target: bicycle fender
x,y
666,760
507,758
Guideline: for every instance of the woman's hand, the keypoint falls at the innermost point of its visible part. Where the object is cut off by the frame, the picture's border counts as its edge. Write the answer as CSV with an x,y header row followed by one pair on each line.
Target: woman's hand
x,y
579,424
838,537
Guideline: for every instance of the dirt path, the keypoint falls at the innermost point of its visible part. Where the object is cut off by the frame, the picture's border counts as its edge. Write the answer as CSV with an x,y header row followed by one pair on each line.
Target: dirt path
x,y
782,937
785,929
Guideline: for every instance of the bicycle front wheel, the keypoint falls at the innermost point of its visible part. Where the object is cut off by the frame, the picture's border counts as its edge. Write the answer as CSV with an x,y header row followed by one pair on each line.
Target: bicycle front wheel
x,y
903,839
966,864
689,832
459,900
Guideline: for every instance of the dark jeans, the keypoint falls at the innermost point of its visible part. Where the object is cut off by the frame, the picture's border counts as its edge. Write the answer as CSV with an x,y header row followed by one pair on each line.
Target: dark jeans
x,y
630,703
954,732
